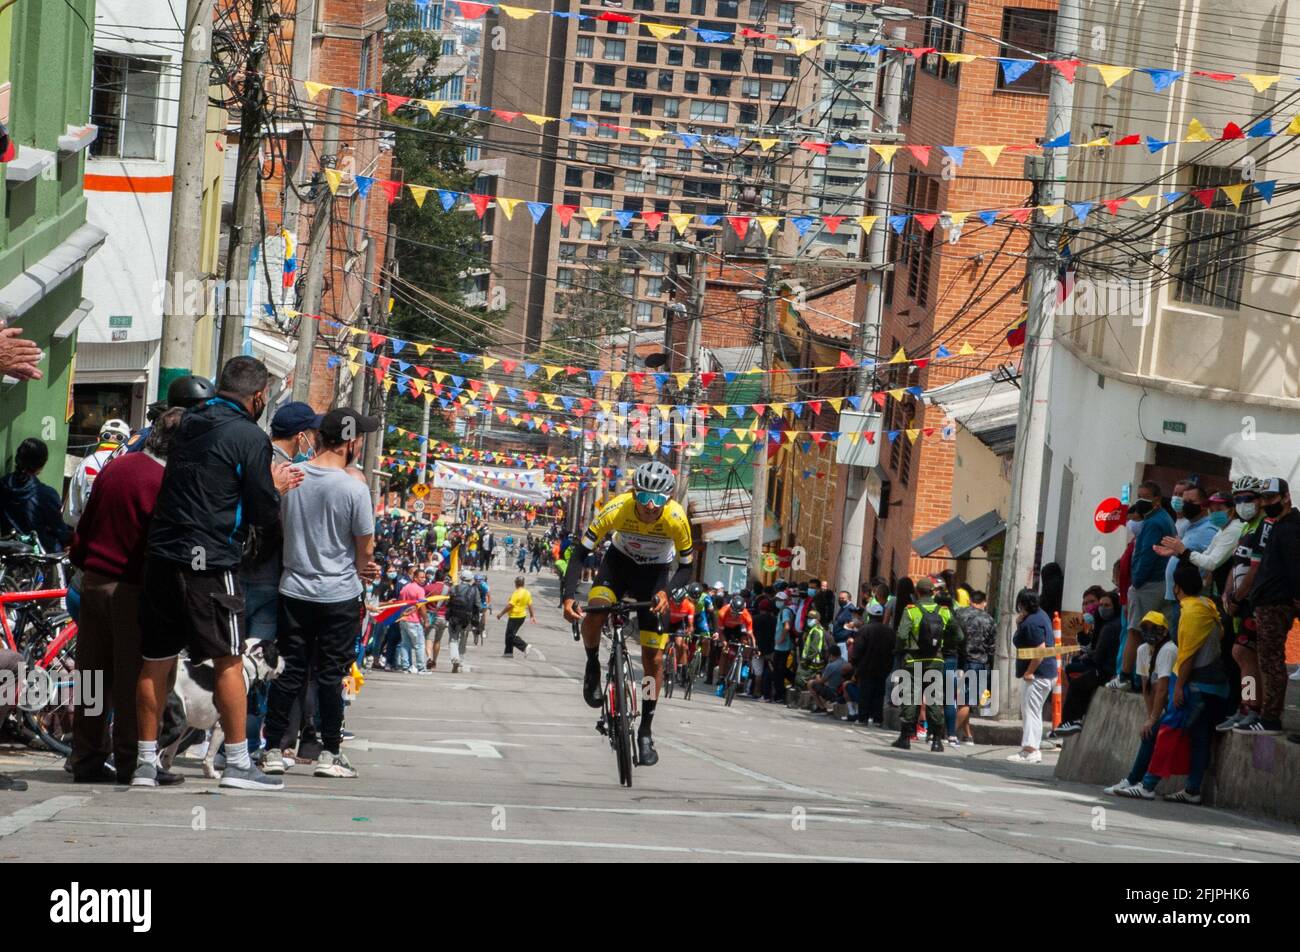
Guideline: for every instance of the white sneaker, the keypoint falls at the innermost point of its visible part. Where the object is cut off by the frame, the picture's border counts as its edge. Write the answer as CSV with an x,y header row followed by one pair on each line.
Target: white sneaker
x,y
1020,757
1114,789
412,670
953,742
333,765
1136,792
1119,683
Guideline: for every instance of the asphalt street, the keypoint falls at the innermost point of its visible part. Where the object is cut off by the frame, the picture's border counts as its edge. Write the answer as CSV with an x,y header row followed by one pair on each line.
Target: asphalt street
x,y
502,762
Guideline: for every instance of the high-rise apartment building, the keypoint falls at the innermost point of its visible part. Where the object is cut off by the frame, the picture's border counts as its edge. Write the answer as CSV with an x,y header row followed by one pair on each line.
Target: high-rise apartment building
x,y
600,74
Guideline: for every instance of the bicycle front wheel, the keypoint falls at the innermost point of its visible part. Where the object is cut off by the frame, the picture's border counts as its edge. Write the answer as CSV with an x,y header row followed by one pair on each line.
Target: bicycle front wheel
x,y
733,679
622,733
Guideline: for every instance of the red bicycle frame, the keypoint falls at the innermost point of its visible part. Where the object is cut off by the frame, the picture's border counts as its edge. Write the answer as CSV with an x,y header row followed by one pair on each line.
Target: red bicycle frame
x,y
45,594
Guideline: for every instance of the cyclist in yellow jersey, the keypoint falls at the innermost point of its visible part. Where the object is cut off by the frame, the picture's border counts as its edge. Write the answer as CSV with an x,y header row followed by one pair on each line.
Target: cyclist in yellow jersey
x,y
649,530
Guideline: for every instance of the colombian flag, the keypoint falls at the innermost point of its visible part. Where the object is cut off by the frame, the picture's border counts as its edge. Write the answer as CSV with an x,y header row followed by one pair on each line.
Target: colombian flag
x,y
290,259
1016,335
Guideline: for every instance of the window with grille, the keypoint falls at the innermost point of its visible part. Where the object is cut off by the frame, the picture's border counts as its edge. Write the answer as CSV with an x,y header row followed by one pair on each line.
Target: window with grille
x,y
1025,32
1211,262
920,243
124,105
945,37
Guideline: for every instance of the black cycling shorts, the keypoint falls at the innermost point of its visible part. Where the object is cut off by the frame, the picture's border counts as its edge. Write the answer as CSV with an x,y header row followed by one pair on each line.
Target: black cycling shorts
x,y
620,577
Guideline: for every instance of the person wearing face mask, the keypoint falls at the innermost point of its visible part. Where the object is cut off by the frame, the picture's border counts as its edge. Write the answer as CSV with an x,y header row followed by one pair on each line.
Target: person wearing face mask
x,y
1236,600
1195,537
1156,659
328,555
1181,521
1274,596
1147,591
1083,671
220,478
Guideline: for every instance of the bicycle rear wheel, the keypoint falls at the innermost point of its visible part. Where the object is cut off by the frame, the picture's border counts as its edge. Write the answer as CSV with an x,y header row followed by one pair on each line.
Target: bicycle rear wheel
x,y
52,720
670,669
733,679
692,672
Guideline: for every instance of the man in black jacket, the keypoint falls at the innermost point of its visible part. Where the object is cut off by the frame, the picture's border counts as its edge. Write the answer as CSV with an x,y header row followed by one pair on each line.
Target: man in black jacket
x,y
219,480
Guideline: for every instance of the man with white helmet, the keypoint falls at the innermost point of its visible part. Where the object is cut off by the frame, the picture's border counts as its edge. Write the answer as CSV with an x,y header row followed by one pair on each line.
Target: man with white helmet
x,y
649,530
111,436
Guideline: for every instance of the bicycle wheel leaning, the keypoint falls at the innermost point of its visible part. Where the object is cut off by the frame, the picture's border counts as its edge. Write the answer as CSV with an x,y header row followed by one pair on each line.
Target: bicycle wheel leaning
x,y
51,671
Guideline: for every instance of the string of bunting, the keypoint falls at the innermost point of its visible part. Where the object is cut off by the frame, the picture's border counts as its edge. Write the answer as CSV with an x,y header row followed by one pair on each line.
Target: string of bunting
x,y
1013,68
922,153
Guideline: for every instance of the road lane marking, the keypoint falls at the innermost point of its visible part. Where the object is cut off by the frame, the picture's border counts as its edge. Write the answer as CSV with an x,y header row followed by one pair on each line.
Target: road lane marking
x,y
515,841
37,812
751,774
472,748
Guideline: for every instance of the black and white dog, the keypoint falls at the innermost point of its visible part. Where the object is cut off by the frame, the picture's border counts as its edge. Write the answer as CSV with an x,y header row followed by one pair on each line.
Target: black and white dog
x,y
192,709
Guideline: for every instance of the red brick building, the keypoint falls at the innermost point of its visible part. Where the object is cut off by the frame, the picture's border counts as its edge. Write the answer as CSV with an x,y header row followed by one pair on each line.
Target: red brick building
x,y
949,293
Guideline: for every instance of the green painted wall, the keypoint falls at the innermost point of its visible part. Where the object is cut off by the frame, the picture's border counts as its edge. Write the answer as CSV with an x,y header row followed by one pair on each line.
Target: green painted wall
x,y
46,53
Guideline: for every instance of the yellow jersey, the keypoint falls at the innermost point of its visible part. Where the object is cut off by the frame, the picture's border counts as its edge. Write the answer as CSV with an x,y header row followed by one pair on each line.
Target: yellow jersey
x,y
648,543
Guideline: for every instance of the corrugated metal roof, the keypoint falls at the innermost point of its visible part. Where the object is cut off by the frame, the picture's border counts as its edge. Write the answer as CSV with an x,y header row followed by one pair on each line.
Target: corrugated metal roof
x,y
988,408
932,541
975,533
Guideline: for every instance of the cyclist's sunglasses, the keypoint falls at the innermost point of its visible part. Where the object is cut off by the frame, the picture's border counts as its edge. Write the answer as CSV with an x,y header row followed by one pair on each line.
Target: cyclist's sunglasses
x,y
652,499
1244,497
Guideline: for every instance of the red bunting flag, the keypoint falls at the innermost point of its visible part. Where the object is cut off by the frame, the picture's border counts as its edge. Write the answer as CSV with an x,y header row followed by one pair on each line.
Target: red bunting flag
x,y
832,222
1217,77
391,189
921,153
422,371
395,102
376,340
565,212
572,370
614,17
1113,204
652,219
921,364
707,378
1066,67
927,221
757,35
740,224
1134,139
816,146
1205,196
1232,131
472,11
481,203
871,437
845,360
917,50
508,366
507,114
879,398
815,406
1021,214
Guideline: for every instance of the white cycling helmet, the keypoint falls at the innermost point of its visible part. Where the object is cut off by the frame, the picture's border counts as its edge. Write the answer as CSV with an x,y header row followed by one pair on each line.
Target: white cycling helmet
x,y
654,477
1245,484
114,431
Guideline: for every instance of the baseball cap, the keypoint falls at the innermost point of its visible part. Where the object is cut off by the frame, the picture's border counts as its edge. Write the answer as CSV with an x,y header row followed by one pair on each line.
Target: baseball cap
x,y
875,609
1222,498
781,597
1154,618
345,419
1274,484
292,418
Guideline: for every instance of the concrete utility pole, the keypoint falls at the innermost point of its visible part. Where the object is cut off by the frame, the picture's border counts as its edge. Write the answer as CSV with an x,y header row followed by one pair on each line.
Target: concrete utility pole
x,y
1031,434
318,250
866,337
694,330
758,495
379,316
185,232
304,19
243,221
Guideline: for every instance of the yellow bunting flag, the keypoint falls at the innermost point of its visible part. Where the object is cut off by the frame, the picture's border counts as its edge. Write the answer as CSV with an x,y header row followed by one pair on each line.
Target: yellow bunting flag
x,y
966,349
650,134
680,222
1143,200
913,434
899,358
991,152
766,144
1102,143
1234,192
661,31
433,105
439,375
1196,132
836,403
1050,211
897,393
550,399
314,89
550,375
422,349
353,367
867,222
418,192
1293,127
517,13
333,177
803,44
494,388
886,152
958,57
1110,75
768,223
537,120
489,362
616,378
1261,83
593,215
682,380
508,206
957,219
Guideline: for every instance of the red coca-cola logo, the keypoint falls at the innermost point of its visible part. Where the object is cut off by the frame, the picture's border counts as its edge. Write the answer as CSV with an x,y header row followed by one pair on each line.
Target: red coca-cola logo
x,y
1109,515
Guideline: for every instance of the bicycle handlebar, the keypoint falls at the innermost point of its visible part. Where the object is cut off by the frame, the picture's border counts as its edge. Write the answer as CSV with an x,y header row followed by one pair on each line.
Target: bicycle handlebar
x,y
620,607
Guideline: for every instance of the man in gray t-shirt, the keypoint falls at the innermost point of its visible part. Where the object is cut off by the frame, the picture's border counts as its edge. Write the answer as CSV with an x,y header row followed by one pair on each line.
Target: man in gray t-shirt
x,y
329,549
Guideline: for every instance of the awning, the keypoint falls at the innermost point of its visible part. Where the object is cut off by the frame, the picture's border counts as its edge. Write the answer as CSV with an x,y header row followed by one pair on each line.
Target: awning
x,y
975,533
986,405
729,531
717,505
930,542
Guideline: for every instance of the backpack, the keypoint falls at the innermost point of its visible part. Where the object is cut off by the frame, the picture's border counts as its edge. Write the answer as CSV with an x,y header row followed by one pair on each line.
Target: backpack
x,y
929,632
463,602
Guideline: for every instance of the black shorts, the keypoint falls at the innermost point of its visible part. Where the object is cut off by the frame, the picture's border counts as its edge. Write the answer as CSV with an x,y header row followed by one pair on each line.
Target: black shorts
x,y
620,577
184,610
